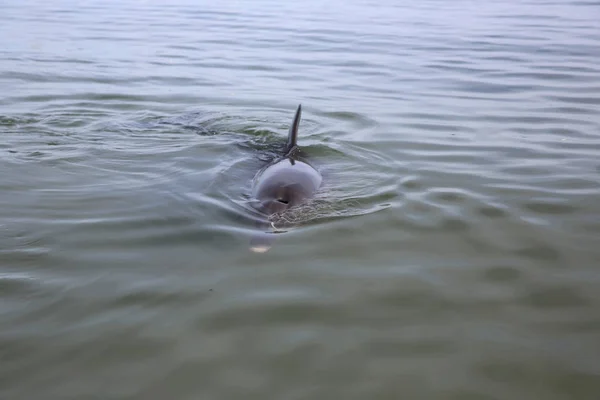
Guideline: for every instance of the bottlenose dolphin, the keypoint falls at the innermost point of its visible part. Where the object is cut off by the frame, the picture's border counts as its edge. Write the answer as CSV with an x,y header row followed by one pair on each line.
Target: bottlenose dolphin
x,y
285,183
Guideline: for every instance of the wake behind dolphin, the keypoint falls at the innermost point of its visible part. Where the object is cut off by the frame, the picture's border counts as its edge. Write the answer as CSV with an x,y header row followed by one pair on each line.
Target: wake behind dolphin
x,y
285,183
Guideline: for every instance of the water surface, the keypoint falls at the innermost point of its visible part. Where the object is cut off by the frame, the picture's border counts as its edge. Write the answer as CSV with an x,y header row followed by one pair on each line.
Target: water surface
x,y
452,253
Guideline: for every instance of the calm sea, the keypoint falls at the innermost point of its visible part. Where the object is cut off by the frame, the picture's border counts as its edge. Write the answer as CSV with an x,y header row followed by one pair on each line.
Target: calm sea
x,y
452,253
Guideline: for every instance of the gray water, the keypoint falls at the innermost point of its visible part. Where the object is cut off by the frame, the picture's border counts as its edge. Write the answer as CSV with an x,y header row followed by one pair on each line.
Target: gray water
x,y
452,253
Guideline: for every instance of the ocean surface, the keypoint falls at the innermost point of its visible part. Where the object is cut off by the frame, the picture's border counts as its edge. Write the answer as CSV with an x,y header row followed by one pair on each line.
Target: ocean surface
x,y
453,251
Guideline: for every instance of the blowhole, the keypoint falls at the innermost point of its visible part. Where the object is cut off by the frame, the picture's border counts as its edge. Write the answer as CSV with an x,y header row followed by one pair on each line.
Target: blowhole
x,y
282,201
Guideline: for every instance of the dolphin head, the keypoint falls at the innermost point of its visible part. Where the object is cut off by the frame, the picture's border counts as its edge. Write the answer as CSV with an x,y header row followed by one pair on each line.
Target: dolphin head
x,y
280,199
277,201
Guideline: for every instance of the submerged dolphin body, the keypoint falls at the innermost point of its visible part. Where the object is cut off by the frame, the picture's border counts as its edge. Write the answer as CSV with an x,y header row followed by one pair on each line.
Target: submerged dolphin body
x,y
285,183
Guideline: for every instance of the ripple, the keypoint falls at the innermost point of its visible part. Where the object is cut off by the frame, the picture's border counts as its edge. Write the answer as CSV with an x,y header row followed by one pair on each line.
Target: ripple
x,y
492,212
550,208
502,274
558,297
457,222
540,252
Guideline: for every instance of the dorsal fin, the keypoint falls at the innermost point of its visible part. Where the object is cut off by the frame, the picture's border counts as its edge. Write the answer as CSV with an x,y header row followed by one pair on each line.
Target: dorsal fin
x,y
293,133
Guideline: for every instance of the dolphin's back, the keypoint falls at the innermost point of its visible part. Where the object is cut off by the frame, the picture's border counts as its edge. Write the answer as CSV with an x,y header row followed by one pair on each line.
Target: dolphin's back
x,y
285,183
296,176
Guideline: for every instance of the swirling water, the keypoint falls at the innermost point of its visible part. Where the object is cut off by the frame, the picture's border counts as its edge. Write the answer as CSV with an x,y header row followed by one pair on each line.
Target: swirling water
x,y
453,252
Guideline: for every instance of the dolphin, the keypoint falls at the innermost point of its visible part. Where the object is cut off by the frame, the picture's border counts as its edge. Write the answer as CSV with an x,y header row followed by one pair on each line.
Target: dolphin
x,y
284,183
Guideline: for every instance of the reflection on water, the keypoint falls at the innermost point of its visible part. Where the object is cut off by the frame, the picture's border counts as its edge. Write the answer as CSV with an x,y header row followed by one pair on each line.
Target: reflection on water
x,y
451,253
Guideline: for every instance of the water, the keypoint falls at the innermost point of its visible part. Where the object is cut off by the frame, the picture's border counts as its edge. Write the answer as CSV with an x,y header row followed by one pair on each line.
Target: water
x,y
453,252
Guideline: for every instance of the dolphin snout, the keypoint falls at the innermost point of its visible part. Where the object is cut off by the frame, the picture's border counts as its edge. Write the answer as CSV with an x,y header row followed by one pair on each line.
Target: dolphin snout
x,y
261,242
